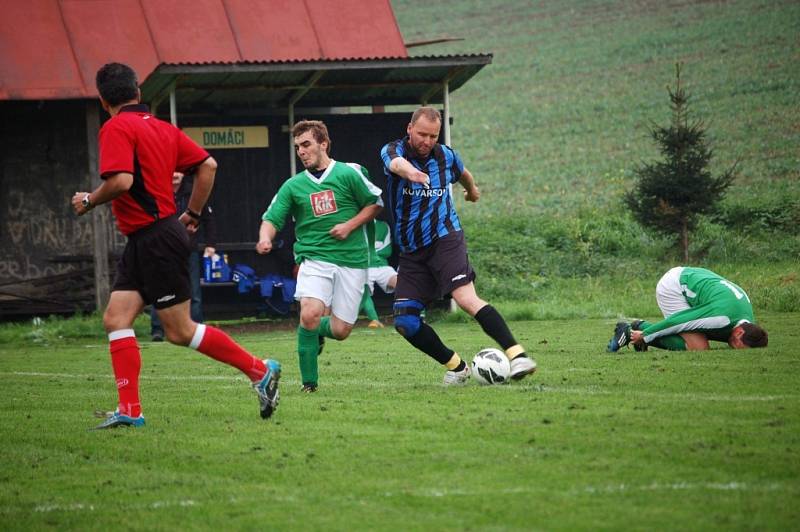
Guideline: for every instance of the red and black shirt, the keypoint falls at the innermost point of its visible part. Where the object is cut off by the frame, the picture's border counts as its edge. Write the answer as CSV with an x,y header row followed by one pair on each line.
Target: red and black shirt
x,y
136,142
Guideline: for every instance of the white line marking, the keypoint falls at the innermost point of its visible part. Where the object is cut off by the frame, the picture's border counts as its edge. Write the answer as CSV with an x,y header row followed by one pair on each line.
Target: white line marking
x,y
141,377
368,383
732,486
684,486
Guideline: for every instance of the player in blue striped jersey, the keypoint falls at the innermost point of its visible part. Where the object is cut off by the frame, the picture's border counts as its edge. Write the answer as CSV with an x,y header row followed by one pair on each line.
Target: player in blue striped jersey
x,y
433,254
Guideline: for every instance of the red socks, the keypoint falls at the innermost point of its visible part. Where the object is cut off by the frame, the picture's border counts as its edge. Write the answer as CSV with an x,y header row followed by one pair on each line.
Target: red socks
x,y
216,344
127,362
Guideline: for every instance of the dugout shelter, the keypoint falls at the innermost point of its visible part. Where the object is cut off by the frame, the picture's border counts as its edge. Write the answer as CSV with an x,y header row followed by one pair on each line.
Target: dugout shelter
x,y
234,74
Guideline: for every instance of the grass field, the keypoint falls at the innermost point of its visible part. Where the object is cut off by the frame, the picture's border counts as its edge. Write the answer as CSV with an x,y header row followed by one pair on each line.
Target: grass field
x,y
553,130
593,441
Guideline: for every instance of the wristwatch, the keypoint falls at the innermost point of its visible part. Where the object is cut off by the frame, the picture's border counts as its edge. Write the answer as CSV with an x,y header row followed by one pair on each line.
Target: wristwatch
x,y
86,202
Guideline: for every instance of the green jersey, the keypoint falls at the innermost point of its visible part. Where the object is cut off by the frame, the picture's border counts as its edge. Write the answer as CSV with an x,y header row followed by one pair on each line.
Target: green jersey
x,y
380,253
716,307
318,204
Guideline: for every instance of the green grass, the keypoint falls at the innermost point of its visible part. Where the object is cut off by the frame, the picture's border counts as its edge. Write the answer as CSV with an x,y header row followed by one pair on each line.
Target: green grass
x,y
593,441
555,126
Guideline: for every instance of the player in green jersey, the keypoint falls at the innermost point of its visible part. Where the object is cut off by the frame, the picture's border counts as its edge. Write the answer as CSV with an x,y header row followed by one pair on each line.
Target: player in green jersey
x,y
330,202
698,305
379,273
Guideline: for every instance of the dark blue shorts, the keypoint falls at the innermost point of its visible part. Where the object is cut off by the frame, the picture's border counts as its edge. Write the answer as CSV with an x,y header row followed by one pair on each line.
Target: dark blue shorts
x,y
155,263
435,270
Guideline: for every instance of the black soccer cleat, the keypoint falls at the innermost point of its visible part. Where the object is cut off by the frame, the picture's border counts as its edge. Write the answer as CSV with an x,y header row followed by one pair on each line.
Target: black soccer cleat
x,y
621,338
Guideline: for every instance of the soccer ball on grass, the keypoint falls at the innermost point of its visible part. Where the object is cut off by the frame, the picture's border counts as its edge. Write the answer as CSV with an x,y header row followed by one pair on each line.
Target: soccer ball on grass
x,y
491,366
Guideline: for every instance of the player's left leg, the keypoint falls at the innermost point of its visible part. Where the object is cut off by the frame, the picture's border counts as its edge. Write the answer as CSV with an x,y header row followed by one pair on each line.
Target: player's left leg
x,y
211,341
308,335
163,267
215,343
496,327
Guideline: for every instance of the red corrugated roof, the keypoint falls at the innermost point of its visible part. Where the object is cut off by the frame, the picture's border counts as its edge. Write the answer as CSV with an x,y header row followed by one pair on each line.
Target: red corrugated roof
x,y
51,49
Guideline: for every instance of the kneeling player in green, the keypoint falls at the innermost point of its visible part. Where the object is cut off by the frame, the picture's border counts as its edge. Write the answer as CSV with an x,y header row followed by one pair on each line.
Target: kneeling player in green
x,y
330,202
698,305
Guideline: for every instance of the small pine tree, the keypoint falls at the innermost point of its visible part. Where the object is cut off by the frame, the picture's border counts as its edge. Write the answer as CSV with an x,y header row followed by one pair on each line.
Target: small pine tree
x,y
670,195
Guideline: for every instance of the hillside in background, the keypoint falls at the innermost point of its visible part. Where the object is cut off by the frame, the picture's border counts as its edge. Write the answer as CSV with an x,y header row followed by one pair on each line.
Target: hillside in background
x,y
554,127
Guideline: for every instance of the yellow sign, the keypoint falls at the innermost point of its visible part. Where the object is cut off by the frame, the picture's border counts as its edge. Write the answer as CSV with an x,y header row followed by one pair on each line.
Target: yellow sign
x,y
217,138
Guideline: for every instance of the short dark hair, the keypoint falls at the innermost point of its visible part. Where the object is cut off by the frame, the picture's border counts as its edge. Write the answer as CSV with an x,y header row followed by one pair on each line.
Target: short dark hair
x,y
317,128
117,83
431,113
754,336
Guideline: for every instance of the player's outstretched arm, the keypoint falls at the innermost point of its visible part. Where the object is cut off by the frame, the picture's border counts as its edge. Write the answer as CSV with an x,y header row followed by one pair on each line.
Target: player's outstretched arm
x,y
111,187
402,167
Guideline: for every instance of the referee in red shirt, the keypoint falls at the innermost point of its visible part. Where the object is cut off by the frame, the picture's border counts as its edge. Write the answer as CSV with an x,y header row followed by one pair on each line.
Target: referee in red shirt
x,y
138,155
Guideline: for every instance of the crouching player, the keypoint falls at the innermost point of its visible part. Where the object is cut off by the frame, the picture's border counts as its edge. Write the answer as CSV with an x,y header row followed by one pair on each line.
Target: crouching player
x,y
698,305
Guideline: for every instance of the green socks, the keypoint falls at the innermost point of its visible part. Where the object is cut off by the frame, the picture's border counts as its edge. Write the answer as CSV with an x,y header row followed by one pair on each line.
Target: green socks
x,y
324,328
307,350
673,342
367,305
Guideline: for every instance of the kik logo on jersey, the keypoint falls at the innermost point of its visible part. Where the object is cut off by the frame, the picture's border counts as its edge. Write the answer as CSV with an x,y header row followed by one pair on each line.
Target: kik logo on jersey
x,y
323,203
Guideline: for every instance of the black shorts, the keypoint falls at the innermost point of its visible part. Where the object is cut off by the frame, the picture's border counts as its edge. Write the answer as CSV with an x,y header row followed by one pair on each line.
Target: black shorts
x,y
434,271
155,263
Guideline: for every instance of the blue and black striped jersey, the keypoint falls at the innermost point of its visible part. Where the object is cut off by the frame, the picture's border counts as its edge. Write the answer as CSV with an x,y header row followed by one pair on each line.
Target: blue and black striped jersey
x,y
422,215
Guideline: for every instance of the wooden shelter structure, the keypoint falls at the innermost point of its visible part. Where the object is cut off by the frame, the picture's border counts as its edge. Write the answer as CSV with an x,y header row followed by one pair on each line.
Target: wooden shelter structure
x,y
220,68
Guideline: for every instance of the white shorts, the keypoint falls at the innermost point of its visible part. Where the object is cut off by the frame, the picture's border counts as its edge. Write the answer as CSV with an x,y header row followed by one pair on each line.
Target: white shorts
x,y
337,287
669,294
381,276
